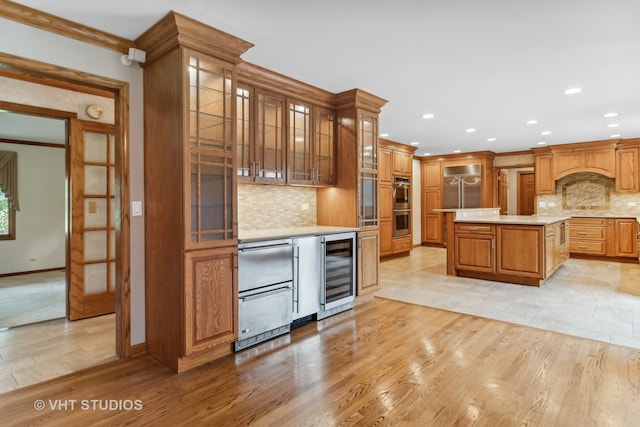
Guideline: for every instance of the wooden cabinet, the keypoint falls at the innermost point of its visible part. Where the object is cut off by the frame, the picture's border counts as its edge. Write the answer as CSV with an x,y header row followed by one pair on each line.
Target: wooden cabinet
x,y
628,167
432,222
310,144
354,200
626,230
544,174
610,237
512,253
475,248
597,156
190,222
521,250
260,145
402,163
386,218
385,161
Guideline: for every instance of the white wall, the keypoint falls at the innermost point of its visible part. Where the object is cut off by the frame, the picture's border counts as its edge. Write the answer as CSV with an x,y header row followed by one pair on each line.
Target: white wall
x,y
40,222
27,42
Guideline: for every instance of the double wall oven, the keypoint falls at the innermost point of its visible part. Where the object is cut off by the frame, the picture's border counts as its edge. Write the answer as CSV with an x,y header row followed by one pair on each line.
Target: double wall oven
x,y
401,207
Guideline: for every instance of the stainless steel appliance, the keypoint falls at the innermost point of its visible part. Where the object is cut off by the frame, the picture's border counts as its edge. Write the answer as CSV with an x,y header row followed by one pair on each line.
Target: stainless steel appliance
x,y
401,193
401,222
338,273
306,277
265,290
462,187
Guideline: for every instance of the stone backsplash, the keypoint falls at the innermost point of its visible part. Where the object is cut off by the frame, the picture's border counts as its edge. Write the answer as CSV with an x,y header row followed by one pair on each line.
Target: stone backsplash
x,y
262,207
588,194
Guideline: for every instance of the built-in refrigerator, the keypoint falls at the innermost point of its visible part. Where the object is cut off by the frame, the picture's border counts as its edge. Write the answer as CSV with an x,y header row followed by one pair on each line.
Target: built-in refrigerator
x,y
462,187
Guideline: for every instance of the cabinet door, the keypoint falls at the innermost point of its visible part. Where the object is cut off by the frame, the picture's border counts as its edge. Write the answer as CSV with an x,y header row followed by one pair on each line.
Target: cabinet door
x,y
368,261
627,170
245,149
210,298
520,251
431,175
368,159
385,162
475,252
300,167
270,154
324,160
209,181
625,238
386,238
432,224
545,183
401,163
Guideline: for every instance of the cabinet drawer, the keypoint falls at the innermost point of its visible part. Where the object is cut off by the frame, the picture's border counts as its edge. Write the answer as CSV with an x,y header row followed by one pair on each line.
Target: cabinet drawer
x,y
476,228
595,233
401,245
591,222
587,247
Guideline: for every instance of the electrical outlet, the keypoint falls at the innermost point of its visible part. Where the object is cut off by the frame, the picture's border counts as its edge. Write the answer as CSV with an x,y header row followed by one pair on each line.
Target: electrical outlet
x,y
552,204
542,204
631,203
304,207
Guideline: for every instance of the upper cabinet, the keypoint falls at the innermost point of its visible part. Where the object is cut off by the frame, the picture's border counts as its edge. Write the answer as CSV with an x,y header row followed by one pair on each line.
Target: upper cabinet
x,y
628,166
598,157
614,159
402,163
286,130
261,154
311,144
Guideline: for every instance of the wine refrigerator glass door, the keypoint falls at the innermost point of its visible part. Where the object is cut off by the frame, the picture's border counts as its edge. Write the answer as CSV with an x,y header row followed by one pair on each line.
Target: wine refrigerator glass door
x,y
339,270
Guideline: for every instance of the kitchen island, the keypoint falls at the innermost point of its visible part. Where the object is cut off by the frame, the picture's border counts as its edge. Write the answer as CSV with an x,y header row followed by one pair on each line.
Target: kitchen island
x,y
519,249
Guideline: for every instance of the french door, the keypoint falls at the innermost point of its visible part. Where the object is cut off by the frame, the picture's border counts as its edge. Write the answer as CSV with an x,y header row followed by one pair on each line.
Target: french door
x,y
92,267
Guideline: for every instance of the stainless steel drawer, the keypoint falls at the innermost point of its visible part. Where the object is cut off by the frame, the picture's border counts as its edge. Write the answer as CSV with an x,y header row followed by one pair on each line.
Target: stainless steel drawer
x,y
263,311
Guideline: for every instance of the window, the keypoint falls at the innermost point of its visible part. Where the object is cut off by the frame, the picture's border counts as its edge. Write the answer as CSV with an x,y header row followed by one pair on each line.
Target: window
x,y
7,219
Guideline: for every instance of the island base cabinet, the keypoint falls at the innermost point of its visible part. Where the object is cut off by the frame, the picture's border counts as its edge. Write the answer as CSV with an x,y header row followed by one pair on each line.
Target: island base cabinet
x,y
475,252
520,250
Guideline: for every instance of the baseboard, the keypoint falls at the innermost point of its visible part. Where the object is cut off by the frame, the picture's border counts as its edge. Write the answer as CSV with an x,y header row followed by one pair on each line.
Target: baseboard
x,y
20,273
138,349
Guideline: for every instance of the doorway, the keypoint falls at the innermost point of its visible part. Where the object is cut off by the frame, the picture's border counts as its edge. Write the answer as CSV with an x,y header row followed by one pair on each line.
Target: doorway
x,y
526,193
514,189
78,82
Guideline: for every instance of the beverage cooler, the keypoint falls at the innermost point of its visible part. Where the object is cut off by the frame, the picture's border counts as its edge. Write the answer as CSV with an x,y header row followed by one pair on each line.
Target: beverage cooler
x,y
338,273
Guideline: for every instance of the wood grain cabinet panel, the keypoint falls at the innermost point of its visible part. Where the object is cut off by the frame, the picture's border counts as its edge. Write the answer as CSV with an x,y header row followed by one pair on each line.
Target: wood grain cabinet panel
x,y
432,222
368,261
385,161
597,156
544,176
520,251
628,170
626,230
402,163
475,252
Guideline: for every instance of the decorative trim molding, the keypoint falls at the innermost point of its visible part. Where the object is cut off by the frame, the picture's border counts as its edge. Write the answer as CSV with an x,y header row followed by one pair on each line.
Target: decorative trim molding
x,y
53,24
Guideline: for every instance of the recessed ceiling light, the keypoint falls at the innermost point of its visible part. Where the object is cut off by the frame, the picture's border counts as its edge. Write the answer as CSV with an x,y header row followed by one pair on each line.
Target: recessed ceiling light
x,y
427,154
572,91
616,135
541,143
457,151
613,125
470,130
384,135
428,116
532,122
612,114
545,133
491,139
415,143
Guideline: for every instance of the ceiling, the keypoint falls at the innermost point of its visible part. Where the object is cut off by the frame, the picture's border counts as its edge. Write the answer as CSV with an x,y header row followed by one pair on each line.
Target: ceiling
x,y
489,65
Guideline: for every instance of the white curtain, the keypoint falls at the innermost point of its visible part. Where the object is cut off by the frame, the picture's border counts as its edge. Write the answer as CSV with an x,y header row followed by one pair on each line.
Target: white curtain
x,y
9,177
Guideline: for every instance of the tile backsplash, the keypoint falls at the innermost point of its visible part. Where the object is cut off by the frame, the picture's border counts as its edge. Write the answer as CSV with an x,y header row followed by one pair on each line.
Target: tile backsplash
x,y
588,194
262,207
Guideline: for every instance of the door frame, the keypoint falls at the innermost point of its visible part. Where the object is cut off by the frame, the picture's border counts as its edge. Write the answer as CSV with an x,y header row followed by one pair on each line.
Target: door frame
x,y
42,73
519,193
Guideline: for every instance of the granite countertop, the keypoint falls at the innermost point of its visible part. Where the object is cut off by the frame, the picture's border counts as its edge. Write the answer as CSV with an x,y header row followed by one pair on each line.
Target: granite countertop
x,y
517,219
283,233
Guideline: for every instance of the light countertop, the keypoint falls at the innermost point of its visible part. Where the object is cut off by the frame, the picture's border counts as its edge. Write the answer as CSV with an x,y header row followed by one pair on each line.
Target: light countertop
x,y
517,219
283,233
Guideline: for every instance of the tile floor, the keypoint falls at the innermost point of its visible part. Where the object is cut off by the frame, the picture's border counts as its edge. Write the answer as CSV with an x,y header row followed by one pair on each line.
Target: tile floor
x,y
598,300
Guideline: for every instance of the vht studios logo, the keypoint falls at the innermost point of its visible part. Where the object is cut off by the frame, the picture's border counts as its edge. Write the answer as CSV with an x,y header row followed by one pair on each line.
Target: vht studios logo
x,y
88,405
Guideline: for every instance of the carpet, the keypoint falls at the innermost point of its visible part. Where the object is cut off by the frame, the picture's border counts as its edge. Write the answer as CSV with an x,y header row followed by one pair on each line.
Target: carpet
x,y
32,298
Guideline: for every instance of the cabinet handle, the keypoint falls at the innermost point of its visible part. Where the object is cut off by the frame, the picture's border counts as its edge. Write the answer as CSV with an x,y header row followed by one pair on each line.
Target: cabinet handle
x,y
493,243
582,247
582,233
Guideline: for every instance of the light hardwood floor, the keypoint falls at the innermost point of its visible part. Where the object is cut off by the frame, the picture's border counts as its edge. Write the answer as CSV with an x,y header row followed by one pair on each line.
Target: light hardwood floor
x,y
383,363
35,353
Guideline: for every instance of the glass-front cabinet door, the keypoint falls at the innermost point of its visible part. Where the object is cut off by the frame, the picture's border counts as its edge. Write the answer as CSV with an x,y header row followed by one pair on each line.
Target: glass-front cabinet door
x,y
270,154
324,146
301,168
211,181
368,146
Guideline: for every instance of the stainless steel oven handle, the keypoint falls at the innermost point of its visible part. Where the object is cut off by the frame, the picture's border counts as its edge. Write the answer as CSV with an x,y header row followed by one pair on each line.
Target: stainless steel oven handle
x,y
265,294
262,248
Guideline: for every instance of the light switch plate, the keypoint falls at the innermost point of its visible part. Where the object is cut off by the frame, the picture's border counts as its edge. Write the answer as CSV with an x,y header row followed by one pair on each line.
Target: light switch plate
x,y
304,207
136,208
